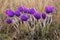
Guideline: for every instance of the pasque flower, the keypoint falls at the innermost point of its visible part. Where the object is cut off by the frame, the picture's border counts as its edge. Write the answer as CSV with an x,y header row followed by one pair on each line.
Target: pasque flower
x,y
25,10
17,13
9,12
49,9
8,20
20,8
31,10
24,17
43,15
37,15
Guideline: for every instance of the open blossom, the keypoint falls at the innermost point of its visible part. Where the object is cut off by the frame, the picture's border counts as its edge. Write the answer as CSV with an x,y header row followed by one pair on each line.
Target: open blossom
x,y
24,17
43,15
37,15
8,20
17,13
9,12
25,10
20,8
31,10
49,9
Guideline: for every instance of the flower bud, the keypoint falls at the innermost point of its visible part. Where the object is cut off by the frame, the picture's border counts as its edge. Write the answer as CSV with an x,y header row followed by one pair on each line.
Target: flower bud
x,y
9,12
43,15
8,20
24,17
31,10
49,9
37,15
17,13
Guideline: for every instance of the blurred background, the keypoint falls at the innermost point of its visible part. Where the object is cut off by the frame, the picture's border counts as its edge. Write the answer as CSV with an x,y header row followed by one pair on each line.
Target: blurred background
x,y
54,30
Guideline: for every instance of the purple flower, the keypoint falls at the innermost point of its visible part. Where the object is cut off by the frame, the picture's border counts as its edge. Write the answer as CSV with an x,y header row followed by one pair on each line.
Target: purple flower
x,y
25,10
9,12
8,20
43,15
24,17
49,9
20,8
31,10
37,15
17,13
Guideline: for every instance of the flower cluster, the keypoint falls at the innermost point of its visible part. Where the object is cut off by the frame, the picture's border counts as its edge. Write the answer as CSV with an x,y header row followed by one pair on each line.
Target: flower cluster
x,y
25,14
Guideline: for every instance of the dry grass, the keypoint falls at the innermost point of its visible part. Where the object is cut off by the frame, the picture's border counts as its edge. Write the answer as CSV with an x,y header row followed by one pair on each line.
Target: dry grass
x,y
39,5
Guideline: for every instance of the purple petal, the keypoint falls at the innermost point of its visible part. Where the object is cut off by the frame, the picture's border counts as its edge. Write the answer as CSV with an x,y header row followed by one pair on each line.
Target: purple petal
x,y
49,9
8,20
24,17
9,12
